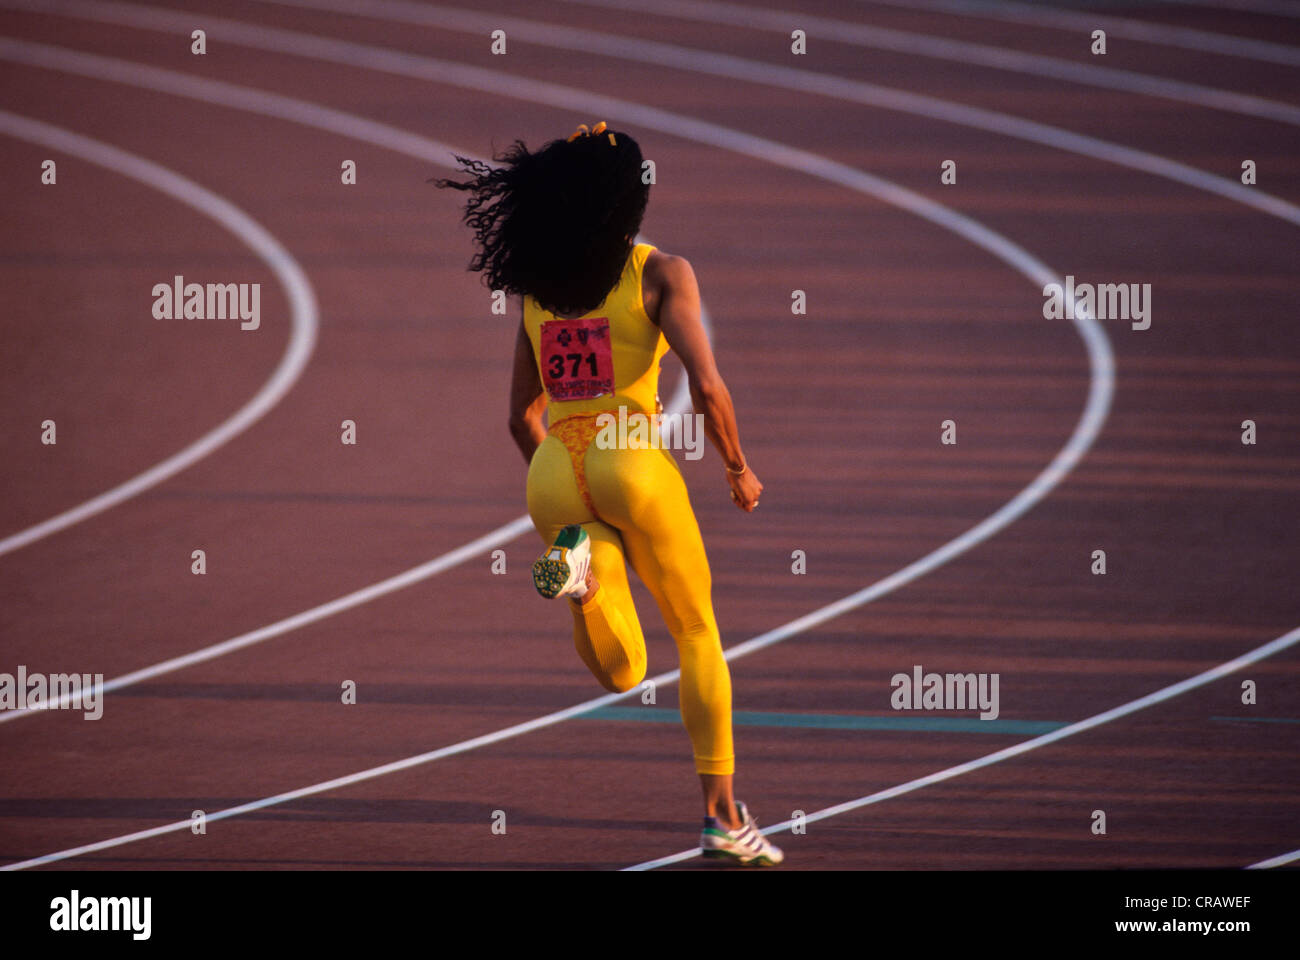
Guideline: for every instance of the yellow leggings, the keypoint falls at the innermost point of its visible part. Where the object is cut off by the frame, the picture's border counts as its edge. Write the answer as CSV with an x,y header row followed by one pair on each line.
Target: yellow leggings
x,y
634,506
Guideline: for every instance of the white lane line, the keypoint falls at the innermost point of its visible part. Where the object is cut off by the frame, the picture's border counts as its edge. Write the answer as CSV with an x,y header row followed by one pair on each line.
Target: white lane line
x,y
667,55
1156,34
1133,706
223,94
1100,392
1102,363
336,121
1278,861
1274,8
304,318
653,52
385,60
335,784
591,703
437,565
942,48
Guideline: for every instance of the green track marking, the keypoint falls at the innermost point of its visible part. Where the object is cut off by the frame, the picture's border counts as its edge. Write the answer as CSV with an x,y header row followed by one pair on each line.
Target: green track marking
x,y
836,721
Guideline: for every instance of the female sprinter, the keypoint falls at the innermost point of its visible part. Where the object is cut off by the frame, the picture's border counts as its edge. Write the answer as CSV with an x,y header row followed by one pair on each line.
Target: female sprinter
x,y
599,313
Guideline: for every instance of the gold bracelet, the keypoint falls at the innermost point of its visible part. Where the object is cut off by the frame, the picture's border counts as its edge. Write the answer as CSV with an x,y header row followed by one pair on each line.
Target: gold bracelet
x,y
736,473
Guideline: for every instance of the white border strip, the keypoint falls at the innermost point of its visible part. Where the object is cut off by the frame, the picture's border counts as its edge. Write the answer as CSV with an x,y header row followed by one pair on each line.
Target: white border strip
x,y
304,317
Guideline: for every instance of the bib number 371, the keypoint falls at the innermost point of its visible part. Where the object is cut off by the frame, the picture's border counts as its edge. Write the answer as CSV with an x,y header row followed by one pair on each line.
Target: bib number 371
x,y
577,360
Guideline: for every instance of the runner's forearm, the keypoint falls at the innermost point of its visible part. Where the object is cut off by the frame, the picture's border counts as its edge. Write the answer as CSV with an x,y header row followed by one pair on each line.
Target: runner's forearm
x,y
714,402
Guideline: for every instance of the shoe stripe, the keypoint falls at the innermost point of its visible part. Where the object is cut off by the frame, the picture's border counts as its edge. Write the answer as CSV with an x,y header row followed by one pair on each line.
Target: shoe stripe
x,y
746,844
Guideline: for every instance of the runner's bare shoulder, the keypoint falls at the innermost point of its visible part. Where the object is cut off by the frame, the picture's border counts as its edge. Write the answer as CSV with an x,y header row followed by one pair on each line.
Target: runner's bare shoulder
x,y
665,272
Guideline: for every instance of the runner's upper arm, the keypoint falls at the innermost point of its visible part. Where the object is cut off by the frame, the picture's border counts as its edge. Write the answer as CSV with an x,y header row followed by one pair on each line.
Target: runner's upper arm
x,y
525,385
679,319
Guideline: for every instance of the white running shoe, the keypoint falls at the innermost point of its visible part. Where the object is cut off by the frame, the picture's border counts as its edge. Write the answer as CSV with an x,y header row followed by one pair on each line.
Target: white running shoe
x,y
562,570
746,846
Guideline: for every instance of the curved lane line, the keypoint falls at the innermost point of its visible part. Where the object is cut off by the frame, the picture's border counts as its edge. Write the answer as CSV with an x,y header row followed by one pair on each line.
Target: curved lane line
x,y
1278,861
304,317
1133,706
1155,34
324,118
1100,392
398,63
570,712
942,48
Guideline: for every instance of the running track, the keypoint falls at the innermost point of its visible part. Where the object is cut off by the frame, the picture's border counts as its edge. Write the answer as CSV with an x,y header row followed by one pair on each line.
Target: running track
x,y
367,314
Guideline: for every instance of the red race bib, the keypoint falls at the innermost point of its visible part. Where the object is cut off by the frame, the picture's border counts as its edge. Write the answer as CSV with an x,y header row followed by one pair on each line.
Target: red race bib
x,y
577,361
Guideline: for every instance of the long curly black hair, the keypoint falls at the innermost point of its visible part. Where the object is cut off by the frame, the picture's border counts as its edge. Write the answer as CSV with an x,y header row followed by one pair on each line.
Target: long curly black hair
x,y
556,224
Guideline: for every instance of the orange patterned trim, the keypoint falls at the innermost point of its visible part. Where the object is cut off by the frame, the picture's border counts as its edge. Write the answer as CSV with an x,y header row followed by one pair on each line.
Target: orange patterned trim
x,y
576,433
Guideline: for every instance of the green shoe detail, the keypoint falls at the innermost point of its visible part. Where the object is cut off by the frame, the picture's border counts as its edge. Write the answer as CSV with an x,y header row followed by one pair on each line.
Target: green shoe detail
x,y
570,536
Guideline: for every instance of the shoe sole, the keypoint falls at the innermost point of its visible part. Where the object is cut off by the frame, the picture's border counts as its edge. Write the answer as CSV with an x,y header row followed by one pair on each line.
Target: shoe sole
x,y
760,860
550,576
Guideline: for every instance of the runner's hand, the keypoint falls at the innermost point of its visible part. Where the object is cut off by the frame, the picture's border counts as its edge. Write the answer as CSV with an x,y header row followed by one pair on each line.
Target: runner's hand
x,y
745,490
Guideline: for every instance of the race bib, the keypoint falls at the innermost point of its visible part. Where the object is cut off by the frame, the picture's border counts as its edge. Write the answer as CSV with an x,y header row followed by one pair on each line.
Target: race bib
x,y
576,359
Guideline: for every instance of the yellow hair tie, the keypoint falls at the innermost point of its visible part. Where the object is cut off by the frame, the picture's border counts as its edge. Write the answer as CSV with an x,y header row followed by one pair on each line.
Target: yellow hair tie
x,y
597,130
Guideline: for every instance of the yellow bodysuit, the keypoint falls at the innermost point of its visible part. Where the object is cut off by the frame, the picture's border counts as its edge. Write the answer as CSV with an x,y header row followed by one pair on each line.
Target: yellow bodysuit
x,y
632,503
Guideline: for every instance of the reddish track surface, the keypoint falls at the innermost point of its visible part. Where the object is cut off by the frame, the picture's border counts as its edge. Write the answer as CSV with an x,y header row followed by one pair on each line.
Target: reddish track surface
x,y
908,325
